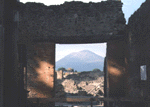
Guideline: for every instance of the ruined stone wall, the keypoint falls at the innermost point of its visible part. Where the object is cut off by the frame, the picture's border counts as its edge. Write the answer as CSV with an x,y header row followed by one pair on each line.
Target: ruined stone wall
x,y
59,74
40,70
139,30
71,19
116,68
139,45
2,64
1,54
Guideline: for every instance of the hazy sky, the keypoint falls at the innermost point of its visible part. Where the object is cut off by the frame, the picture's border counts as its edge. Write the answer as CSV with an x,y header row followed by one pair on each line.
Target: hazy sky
x,y
129,6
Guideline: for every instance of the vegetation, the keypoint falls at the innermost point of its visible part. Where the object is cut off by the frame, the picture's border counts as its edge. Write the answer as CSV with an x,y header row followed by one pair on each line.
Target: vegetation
x,y
72,70
96,69
62,68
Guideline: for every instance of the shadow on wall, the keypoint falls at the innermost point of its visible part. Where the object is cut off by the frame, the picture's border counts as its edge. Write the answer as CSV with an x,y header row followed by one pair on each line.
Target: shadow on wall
x,y
116,69
41,82
40,74
40,79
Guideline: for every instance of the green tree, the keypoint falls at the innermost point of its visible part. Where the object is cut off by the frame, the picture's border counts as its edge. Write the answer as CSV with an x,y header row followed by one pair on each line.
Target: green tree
x,y
96,69
62,68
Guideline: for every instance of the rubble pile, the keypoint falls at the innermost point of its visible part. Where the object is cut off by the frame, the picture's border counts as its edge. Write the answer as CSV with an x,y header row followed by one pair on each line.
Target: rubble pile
x,y
81,84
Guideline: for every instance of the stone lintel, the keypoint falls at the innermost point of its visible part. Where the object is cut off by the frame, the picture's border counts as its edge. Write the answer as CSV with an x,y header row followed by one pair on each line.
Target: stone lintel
x,y
71,19
75,39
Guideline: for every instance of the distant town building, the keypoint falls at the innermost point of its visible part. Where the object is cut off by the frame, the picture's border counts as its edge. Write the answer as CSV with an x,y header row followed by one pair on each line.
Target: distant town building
x,y
70,70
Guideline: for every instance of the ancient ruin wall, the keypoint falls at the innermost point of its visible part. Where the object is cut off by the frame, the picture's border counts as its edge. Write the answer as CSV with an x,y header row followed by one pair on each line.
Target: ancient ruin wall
x,y
139,21
71,19
59,74
116,68
138,30
40,70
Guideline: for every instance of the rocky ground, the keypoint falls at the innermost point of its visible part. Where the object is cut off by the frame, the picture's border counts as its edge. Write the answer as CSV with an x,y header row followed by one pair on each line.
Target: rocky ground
x,y
81,84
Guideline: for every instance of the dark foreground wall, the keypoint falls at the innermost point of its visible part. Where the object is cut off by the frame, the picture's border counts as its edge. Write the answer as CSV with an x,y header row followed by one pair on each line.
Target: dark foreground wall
x,y
10,76
1,55
139,35
139,46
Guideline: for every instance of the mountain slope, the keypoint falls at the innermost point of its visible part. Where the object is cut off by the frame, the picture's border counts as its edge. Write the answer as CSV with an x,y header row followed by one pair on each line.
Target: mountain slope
x,y
81,61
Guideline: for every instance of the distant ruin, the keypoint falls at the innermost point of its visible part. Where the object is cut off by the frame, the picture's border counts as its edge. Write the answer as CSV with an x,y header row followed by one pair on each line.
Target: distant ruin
x,y
60,74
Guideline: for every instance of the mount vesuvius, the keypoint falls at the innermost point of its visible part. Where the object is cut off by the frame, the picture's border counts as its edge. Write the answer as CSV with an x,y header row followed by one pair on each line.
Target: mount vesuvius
x,y
84,60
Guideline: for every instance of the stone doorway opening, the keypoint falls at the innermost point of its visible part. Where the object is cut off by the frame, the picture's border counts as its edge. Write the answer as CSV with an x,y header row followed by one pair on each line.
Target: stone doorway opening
x,y
37,56
80,71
